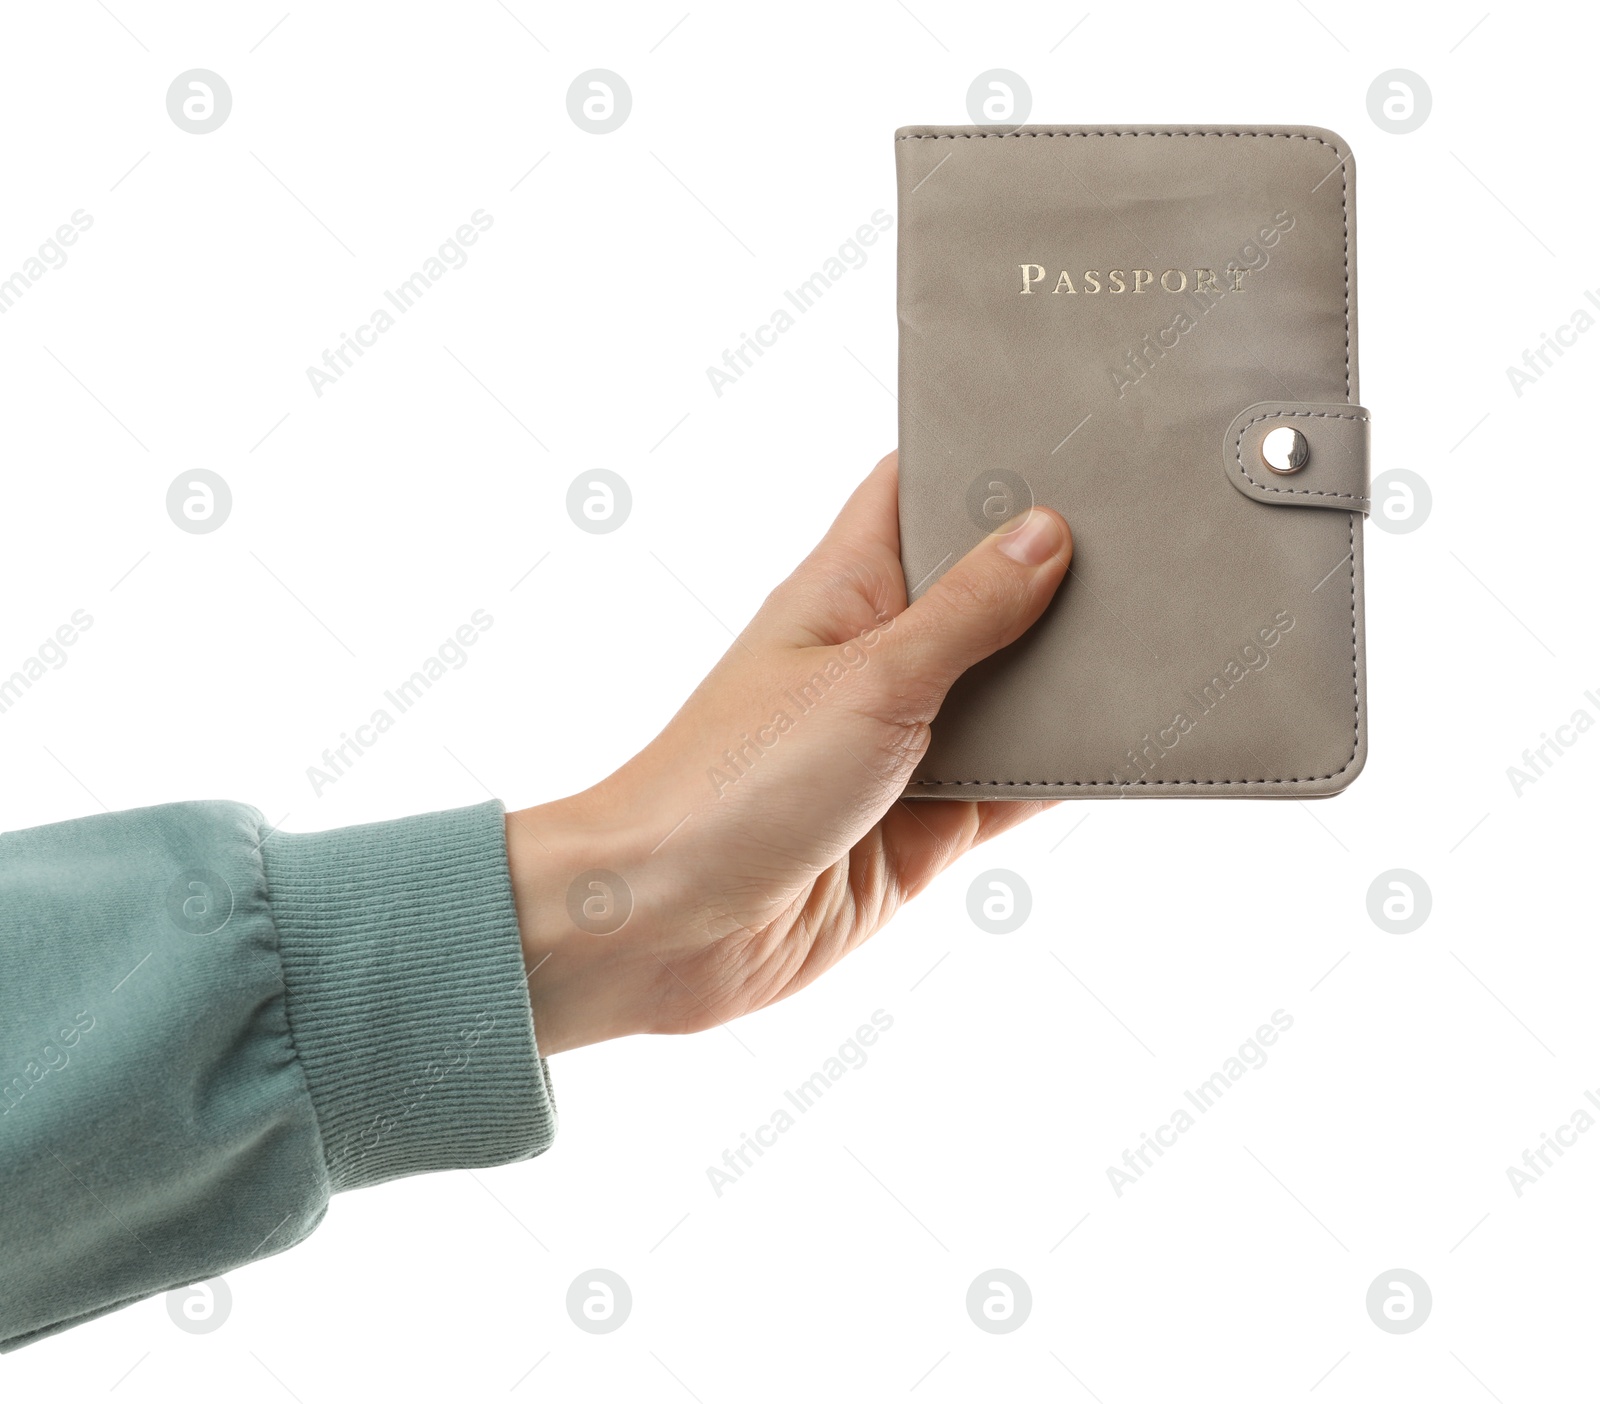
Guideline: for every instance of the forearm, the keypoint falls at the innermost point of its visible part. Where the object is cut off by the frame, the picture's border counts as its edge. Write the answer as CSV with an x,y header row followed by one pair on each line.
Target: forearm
x,y
206,1030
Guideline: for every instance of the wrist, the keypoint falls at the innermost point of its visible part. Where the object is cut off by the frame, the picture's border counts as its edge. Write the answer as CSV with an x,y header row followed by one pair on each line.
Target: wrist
x,y
591,899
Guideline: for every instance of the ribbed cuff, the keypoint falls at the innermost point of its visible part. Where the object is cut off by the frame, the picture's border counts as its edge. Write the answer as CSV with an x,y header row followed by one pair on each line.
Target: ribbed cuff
x,y
407,997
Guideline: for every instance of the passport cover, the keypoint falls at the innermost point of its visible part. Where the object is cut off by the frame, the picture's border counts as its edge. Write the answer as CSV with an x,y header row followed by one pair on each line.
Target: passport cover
x,y
1111,321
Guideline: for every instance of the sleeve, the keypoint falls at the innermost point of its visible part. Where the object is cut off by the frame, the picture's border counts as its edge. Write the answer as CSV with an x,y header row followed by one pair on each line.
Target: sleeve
x,y
208,1028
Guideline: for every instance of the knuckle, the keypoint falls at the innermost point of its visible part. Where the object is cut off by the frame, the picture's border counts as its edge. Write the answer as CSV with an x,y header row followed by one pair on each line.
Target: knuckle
x,y
986,597
966,591
905,743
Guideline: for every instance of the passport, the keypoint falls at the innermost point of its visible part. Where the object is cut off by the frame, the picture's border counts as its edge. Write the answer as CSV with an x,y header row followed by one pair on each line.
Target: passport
x,y
1153,331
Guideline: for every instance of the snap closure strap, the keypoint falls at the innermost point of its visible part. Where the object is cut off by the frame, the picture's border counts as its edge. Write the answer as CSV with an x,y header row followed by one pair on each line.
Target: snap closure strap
x,y
1335,470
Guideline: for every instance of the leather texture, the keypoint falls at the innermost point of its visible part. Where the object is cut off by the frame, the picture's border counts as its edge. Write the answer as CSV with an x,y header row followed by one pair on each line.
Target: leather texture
x,y
1337,472
1090,318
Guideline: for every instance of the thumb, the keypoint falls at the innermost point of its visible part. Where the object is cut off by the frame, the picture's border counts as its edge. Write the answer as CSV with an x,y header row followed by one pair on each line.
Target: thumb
x,y
987,600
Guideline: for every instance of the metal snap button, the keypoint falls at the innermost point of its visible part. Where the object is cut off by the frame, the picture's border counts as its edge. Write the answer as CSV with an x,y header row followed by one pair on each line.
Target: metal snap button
x,y
1285,450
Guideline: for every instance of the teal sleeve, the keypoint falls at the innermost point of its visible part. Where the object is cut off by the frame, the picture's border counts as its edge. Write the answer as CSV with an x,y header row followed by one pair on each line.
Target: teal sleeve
x,y
207,1029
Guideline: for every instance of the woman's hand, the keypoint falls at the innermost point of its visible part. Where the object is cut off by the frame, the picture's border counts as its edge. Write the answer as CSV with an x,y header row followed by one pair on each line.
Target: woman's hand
x,y
761,836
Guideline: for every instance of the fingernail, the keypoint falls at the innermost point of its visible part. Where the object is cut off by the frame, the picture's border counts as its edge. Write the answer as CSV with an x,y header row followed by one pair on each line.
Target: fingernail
x,y
1035,541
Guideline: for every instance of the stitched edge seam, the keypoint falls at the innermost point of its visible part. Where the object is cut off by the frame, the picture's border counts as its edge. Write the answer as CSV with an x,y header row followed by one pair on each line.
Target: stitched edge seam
x,y
1238,453
286,1000
1344,206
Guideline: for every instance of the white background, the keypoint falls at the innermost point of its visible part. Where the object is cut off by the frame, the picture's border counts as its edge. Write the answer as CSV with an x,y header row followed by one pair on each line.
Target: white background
x,y
428,481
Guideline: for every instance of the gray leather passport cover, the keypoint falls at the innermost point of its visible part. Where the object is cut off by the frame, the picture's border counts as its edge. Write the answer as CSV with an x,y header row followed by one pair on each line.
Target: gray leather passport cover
x,y
1109,321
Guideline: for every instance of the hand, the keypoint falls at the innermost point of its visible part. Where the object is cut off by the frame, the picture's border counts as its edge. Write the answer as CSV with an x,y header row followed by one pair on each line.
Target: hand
x,y
761,835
